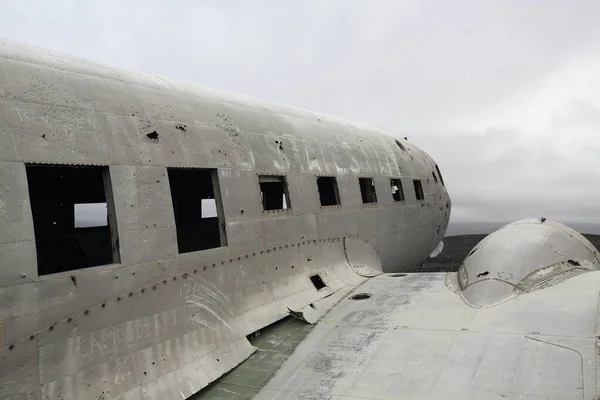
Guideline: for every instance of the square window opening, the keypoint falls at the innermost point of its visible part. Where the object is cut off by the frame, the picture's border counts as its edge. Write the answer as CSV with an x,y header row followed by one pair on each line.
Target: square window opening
x,y
397,191
274,192
73,217
419,190
367,190
197,208
328,191
318,282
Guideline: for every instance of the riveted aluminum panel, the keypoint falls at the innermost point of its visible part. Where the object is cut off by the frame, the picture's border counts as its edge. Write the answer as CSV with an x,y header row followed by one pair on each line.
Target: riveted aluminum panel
x,y
335,221
199,259
142,197
248,205
138,246
19,371
18,262
278,229
18,312
244,232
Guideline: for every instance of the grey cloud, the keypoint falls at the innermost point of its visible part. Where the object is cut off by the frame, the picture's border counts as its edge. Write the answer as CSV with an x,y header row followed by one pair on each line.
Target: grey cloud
x,y
505,95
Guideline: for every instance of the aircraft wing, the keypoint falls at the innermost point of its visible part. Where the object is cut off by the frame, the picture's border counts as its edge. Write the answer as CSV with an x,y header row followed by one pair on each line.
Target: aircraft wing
x,y
414,337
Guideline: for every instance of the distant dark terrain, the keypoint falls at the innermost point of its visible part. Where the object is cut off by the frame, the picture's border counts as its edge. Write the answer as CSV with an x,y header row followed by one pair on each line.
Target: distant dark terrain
x,y
472,228
457,247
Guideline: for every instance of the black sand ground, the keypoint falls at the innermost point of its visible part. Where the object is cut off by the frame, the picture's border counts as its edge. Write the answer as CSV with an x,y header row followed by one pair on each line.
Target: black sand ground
x,y
457,247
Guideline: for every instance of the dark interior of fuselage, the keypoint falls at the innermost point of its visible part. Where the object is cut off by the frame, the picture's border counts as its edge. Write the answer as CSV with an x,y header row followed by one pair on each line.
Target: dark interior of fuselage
x,y
195,209
65,238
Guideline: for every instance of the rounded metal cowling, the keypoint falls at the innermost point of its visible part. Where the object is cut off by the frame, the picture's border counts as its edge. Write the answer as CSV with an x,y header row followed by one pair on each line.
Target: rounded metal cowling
x,y
521,257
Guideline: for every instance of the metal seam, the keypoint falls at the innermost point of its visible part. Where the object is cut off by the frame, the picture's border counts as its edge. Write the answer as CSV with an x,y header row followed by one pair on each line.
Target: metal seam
x,y
135,290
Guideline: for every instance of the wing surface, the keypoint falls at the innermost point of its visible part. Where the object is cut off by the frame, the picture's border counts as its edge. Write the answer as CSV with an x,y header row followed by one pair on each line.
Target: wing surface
x,y
415,338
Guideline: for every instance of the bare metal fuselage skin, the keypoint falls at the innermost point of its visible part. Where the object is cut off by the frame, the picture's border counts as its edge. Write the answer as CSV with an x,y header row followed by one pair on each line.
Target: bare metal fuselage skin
x,y
162,324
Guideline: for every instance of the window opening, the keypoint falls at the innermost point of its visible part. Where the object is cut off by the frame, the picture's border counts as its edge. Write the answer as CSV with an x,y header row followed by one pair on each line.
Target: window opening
x,y
397,191
367,190
400,145
318,282
419,190
434,177
73,217
274,192
198,209
328,191
440,175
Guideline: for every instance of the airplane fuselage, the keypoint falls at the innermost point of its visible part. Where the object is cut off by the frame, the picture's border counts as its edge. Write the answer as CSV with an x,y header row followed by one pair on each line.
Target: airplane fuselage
x,y
293,194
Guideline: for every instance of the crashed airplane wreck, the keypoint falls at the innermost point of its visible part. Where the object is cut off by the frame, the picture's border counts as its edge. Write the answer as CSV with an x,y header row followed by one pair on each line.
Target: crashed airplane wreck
x,y
149,226
215,216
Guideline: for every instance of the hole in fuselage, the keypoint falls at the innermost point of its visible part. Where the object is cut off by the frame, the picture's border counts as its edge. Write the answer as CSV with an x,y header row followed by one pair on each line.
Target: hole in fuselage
x,y
318,282
361,296
400,145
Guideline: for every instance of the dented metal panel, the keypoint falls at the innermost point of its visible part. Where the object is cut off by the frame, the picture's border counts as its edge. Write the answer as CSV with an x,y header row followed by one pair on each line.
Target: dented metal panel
x,y
155,323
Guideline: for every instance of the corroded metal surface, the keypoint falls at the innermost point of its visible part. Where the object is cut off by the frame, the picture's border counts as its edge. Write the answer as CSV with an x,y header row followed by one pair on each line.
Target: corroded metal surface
x,y
159,323
416,339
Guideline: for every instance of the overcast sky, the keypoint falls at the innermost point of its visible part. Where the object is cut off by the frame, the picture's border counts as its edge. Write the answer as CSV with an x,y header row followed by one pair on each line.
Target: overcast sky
x,y
505,95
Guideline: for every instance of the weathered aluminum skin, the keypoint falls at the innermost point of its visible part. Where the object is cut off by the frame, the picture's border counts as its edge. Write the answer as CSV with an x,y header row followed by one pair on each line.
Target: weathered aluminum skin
x,y
521,257
162,325
416,339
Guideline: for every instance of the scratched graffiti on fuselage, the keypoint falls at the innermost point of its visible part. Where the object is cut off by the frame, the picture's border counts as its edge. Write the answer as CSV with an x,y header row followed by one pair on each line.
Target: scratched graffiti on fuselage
x,y
205,306
136,333
211,306
28,116
74,132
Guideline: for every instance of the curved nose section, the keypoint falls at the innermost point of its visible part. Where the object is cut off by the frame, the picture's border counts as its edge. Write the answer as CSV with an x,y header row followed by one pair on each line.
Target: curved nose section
x,y
442,206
